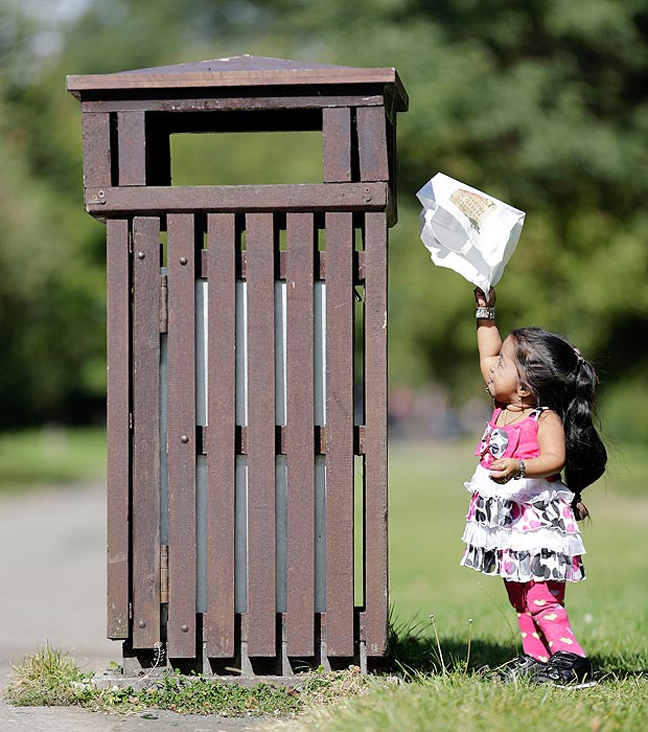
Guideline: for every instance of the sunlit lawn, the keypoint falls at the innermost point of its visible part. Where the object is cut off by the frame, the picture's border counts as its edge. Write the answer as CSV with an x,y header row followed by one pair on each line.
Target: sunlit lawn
x,y
427,507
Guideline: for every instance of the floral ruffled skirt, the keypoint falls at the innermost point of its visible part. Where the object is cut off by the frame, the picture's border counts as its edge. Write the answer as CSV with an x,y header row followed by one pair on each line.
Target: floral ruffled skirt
x,y
522,530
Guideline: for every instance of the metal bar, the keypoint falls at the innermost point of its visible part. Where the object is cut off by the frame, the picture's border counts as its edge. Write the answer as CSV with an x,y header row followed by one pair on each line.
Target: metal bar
x,y
118,429
261,436
339,434
97,166
372,143
320,267
131,134
110,202
375,460
146,433
181,444
227,104
300,613
218,622
336,142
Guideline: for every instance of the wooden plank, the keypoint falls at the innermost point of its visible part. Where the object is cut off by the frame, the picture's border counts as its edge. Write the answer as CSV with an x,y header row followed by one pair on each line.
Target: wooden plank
x,y
227,104
131,135
118,430
261,436
181,443
95,131
372,143
375,437
300,423
89,85
146,433
110,202
336,145
218,621
339,433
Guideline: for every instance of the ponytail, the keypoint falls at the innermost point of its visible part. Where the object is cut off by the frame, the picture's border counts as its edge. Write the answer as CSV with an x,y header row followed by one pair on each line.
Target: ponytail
x,y
562,380
586,454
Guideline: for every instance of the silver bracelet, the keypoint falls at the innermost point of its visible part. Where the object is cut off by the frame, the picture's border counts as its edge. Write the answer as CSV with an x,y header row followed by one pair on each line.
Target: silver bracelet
x,y
522,473
485,313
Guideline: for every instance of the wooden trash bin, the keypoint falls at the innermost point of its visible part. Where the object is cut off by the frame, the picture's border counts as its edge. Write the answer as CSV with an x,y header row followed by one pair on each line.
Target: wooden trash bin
x,y
247,368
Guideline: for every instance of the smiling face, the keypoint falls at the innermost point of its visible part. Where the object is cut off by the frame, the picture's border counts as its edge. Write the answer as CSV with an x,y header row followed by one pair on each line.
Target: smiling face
x,y
504,383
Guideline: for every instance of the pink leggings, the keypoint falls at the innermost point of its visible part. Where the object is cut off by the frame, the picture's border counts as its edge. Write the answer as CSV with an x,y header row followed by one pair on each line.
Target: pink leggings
x,y
542,618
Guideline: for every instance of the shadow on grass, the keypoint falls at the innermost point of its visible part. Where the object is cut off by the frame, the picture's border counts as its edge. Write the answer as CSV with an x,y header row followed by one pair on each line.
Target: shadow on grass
x,y
422,654
621,666
416,648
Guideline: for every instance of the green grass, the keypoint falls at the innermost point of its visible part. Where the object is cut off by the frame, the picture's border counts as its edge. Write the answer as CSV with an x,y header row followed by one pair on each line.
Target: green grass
x,y
50,677
50,456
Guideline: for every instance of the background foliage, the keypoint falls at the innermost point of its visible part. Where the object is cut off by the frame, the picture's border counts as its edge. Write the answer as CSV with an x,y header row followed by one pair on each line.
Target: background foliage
x,y
540,102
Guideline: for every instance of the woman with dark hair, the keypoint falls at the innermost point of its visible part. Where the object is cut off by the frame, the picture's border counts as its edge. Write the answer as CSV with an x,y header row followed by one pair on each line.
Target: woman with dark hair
x,y
526,531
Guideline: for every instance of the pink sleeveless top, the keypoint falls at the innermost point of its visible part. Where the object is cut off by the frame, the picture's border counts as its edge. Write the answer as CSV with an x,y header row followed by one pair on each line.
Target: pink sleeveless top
x,y
517,440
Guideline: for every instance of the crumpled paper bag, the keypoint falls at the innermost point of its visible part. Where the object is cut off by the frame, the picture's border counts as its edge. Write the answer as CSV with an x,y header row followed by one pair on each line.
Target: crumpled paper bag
x,y
467,230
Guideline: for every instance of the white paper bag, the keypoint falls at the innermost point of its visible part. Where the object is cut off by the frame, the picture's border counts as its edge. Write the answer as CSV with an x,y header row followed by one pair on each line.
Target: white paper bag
x,y
467,230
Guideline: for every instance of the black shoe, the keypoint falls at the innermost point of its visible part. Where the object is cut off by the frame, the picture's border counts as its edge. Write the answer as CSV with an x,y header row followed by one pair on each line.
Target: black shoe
x,y
522,667
568,669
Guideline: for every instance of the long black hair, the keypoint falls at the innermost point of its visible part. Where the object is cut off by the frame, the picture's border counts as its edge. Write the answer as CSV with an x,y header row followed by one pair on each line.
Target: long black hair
x,y
562,380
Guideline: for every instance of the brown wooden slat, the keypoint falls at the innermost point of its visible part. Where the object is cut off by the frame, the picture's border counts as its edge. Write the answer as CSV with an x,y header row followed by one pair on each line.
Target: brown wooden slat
x,y
372,143
375,460
131,133
95,130
146,433
218,622
339,432
300,614
181,445
118,430
336,140
227,104
109,202
261,436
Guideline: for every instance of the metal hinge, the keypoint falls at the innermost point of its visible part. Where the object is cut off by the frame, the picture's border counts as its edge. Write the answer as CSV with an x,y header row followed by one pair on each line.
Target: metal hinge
x,y
164,304
164,573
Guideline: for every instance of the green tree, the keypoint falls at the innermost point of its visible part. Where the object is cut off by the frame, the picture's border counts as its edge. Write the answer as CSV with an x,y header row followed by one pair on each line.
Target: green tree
x,y
540,102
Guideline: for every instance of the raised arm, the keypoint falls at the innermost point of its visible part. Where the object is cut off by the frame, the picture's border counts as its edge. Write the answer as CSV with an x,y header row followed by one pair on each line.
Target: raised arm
x,y
489,341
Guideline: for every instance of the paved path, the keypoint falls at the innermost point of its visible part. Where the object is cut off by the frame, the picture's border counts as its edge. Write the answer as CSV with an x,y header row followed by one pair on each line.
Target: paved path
x,y
52,588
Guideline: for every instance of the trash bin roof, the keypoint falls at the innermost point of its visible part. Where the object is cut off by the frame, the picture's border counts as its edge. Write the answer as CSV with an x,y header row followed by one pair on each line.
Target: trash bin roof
x,y
235,71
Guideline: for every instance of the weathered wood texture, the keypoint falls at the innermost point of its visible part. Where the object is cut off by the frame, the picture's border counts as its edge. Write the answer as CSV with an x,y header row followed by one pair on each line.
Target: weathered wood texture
x,y
97,151
131,128
110,202
261,436
339,435
218,622
181,442
300,614
374,618
146,433
118,426
336,138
